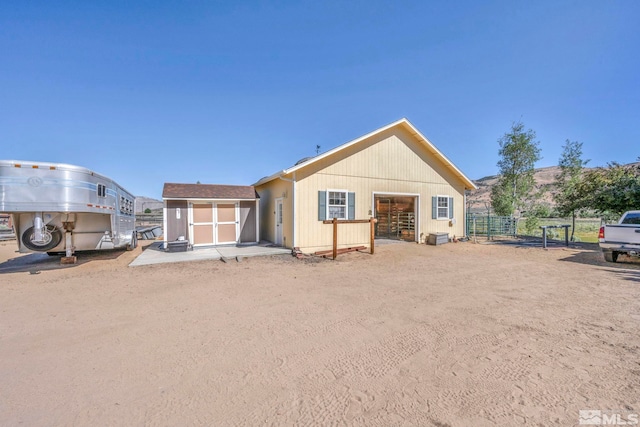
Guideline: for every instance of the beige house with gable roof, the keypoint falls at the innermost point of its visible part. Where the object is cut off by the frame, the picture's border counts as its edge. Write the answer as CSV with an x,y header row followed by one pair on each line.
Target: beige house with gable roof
x,y
394,174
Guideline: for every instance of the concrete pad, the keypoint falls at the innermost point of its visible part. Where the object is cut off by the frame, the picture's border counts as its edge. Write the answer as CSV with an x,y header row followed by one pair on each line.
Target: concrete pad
x,y
155,254
249,251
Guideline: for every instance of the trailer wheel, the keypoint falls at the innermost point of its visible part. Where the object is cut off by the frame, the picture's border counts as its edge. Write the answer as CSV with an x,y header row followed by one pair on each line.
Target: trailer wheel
x,y
53,237
134,242
611,256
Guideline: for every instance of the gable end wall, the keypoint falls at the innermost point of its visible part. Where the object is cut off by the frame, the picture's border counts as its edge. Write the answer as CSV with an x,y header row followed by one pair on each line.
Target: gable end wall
x,y
390,162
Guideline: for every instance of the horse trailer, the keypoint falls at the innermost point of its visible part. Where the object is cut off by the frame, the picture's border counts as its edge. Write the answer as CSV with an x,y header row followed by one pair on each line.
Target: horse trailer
x,y
60,208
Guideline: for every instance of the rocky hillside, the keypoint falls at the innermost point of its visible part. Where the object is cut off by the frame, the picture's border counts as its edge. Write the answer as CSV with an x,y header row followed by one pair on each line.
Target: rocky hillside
x,y
481,197
545,178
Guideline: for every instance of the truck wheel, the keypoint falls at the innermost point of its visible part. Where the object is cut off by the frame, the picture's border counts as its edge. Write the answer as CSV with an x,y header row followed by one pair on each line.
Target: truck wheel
x,y
53,237
134,242
611,256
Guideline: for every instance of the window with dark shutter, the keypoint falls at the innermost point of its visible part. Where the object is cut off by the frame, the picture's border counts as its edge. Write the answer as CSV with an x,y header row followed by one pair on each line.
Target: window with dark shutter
x,y
441,207
322,205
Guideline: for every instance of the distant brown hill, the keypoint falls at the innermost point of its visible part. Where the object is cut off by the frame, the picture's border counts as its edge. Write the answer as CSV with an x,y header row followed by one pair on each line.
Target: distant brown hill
x,y
144,203
481,198
545,178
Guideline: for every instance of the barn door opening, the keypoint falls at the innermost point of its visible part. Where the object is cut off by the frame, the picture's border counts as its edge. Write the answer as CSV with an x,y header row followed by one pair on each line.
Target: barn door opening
x,y
396,217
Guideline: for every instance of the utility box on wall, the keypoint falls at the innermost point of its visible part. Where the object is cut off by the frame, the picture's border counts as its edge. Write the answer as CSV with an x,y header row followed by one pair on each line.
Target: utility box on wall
x,y
437,238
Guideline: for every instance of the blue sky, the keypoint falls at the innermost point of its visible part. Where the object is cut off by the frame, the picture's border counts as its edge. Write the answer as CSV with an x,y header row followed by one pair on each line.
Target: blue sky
x,y
228,92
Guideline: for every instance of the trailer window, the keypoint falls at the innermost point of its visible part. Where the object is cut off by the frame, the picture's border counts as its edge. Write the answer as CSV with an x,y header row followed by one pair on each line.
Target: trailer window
x,y
126,206
102,190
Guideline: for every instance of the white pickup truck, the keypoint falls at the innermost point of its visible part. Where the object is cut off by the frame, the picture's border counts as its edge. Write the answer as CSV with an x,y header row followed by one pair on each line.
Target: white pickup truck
x,y
621,238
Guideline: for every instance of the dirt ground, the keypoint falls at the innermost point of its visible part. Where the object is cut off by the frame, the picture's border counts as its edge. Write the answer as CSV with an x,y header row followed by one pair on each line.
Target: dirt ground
x,y
455,335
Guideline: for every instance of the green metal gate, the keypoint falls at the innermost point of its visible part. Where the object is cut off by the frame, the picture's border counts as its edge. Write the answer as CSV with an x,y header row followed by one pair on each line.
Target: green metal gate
x,y
488,225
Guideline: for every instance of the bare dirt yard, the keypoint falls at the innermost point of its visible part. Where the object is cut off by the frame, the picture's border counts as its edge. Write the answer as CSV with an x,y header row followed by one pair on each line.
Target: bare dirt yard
x,y
455,335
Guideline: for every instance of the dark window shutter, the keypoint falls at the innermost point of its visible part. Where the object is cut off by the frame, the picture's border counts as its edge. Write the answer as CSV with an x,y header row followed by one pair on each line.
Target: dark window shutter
x,y
450,207
322,205
351,206
434,207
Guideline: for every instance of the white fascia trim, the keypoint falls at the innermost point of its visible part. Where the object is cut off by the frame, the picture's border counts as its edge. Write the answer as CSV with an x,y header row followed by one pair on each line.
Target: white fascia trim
x,y
257,221
293,211
269,178
444,158
164,224
391,193
343,146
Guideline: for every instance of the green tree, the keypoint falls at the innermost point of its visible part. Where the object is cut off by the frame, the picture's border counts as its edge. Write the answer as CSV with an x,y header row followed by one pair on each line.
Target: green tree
x,y
612,190
147,211
519,153
568,199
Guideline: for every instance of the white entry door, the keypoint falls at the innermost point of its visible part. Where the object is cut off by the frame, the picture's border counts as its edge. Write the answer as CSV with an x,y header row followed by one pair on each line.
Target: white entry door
x,y
278,222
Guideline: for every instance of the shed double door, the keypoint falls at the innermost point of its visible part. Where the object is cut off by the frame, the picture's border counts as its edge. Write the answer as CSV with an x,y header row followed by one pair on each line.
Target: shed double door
x,y
214,223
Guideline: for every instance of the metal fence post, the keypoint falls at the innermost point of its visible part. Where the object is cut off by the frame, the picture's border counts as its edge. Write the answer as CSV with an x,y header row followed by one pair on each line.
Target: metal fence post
x,y
475,239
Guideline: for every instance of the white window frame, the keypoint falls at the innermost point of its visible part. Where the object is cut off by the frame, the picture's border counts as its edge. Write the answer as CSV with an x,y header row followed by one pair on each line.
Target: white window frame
x,y
346,203
446,217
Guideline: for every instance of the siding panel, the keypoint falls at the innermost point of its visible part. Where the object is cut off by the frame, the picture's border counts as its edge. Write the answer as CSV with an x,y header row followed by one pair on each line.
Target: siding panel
x,y
269,192
176,227
248,221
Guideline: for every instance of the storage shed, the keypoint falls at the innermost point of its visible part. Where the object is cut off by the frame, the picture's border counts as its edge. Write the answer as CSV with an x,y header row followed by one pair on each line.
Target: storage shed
x,y
209,214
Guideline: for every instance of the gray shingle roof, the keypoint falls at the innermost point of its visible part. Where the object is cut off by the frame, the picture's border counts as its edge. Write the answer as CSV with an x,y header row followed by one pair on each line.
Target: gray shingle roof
x,y
208,191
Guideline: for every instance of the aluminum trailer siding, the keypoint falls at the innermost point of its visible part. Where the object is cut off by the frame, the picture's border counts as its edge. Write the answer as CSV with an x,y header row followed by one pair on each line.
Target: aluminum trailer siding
x,y
57,207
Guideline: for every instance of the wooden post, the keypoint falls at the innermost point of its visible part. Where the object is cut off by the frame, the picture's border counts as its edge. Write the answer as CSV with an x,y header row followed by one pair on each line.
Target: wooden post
x,y
334,251
372,221
335,238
